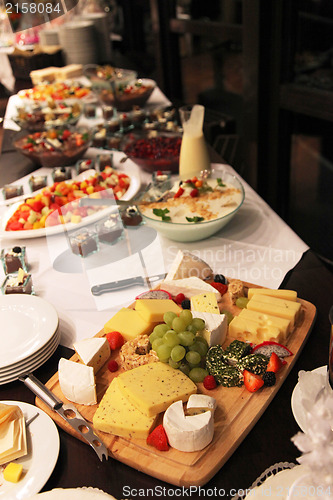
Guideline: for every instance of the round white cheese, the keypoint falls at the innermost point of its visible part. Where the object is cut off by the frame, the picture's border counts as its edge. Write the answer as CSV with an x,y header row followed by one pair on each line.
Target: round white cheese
x,y
188,432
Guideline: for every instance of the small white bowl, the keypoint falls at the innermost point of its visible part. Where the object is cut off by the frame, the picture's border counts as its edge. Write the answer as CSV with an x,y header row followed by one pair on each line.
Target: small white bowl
x,y
186,232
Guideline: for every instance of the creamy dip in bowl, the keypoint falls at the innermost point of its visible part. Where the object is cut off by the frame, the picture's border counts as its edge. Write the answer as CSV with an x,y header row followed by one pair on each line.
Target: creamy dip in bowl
x,y
190,211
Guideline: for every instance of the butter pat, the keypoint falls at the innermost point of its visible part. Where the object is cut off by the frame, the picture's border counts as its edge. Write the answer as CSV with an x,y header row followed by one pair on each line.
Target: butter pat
x,y
152,310
154,387
93,352
13,472
117,415
216,327
280,294
254,331
129,323
77,382
205,302
189,287
186,265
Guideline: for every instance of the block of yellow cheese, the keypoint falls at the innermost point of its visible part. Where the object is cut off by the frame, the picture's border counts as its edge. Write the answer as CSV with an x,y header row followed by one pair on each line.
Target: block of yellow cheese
x,y
205,302
254,331
13,440
152,310
117,415
282,323
129,323
276,307
13,472
280,294
154,387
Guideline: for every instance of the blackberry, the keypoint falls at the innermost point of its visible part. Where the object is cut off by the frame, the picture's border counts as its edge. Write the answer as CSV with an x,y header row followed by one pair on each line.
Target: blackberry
x,y
186,304
219,278
269,379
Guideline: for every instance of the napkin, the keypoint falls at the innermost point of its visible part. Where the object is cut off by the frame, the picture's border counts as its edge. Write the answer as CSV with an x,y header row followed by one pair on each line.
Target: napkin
x,y
13,441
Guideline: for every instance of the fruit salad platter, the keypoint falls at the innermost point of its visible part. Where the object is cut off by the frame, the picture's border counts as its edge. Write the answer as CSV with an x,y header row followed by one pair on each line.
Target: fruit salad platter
x,y
173,383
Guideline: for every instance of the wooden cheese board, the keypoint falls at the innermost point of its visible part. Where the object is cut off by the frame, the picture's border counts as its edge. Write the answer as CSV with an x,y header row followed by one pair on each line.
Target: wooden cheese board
x,y
237,412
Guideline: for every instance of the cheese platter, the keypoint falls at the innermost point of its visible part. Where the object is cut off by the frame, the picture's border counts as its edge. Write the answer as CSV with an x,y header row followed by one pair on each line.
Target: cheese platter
x,y
229,409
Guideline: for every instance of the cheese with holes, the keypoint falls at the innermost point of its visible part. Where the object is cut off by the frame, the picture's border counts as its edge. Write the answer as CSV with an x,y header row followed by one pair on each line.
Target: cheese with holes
x,y
152,310
188,432
254,331
13,440
129,323
186,265
117,415
216,328
189,287
267,319
276,307
280,294
205,302
77,382
154,387
93,352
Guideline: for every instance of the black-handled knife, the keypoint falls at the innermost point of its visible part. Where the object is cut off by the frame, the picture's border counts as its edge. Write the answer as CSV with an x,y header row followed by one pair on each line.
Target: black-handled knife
x,y
114,286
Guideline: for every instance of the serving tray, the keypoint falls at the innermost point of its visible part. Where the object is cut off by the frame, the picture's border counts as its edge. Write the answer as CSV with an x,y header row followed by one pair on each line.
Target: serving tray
x,y
237,412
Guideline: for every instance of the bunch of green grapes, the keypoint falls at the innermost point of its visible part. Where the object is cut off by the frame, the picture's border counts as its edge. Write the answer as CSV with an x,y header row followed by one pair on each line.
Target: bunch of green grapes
x,y
175,342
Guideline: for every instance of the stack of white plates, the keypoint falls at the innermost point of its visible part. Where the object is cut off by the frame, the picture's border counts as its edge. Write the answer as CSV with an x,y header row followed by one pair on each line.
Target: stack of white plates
x,y
29,334
102,33
49,37
79,42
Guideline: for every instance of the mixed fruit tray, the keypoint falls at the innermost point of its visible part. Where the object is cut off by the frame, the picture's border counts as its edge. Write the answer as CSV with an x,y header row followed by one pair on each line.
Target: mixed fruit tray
x,y
173,383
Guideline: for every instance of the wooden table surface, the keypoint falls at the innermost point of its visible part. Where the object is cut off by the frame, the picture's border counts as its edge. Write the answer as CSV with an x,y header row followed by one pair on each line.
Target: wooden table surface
x,y
267,443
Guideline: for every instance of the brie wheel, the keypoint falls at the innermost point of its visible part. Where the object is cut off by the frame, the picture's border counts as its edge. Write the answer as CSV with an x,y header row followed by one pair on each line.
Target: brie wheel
x,y
188,432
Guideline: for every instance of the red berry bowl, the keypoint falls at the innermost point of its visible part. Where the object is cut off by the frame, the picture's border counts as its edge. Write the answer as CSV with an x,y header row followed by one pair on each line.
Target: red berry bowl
x,y
153,151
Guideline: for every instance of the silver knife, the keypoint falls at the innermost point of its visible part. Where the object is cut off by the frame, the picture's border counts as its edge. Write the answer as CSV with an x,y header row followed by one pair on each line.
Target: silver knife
x,y
68,412
114,286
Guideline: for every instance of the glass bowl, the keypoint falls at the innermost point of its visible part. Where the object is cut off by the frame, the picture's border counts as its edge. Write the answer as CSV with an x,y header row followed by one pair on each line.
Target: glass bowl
x,y
128,96
152,150
56,147
55,114
102,76
192,230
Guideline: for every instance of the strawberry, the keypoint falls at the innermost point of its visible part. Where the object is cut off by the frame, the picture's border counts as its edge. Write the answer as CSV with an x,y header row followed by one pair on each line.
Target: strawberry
x,y
113,365
274,363
179,298
158,438
252,382
209,382
220,287
115,339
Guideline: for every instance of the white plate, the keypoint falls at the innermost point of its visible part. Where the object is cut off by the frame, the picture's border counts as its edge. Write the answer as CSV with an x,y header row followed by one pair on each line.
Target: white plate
x,y
296,401
128,168
43,451
73,494
27,323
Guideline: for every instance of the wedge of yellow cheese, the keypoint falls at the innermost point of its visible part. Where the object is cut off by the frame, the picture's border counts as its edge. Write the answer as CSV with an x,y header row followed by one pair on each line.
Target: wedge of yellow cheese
x,y
254,331
117,415
152,310
205,302
154,387
276,307
129,323
280,294
267,319
13,440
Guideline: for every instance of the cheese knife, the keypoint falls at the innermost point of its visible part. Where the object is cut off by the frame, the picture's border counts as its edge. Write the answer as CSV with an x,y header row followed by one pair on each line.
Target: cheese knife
x,y
114,286
68,412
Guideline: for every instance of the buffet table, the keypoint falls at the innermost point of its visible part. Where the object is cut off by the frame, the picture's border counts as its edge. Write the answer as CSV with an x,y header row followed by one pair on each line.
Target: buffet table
x,y
258,247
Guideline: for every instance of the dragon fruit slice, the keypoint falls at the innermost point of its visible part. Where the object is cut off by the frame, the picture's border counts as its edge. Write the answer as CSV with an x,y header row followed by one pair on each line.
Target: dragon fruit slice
x,y
268,347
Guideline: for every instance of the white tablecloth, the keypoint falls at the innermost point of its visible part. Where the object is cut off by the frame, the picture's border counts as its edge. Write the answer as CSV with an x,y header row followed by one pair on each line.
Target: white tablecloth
x,y
256,246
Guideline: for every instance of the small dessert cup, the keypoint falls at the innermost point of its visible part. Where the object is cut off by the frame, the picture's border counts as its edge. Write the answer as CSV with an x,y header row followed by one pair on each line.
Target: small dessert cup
x,y
131,217
84,165
84,243
15,283
37,182
60,174
110,230
13,259
105,160
11,191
